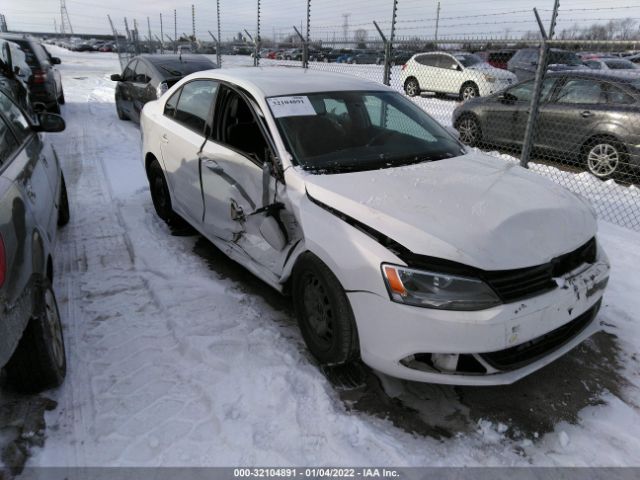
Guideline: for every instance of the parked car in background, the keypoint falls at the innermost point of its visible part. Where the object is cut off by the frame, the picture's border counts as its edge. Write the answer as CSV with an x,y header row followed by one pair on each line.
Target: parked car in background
x,y
147,77
399,57
634,58
367,57
612,63
398,245
463,74
525,62
33,203
500,58
15,74
45,83
589,117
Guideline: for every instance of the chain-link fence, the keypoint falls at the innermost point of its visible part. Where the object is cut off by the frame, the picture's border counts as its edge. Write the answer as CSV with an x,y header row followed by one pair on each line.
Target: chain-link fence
x,y
556,90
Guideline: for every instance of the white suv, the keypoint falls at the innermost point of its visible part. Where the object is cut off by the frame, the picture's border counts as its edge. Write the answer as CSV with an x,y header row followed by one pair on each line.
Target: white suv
x,y
463,74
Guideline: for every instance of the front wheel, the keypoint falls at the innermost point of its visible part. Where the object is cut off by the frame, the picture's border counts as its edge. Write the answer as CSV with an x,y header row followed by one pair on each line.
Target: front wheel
x,y
39,361
469,129
323,311
604,157
63,204
468,91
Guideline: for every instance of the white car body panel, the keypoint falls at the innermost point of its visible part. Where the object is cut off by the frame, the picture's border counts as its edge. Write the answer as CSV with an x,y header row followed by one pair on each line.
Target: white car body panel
x,y
473,209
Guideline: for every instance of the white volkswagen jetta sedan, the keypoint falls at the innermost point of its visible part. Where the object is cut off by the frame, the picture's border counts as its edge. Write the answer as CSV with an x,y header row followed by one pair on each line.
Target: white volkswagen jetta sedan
x,y
397,244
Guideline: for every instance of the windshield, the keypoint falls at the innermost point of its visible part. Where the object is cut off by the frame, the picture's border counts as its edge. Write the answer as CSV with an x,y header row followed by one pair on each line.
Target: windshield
x,y
620,64
352,131
469,59
564,58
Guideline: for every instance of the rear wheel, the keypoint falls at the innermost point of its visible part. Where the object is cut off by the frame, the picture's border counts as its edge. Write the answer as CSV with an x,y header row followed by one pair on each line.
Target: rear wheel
x,y
604,157
160,194
412,87
39,361
121,114
324,314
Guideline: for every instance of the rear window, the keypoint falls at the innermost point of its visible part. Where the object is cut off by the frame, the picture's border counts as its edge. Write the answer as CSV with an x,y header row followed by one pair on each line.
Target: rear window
x,y
469,59
32,59
180,69
564,58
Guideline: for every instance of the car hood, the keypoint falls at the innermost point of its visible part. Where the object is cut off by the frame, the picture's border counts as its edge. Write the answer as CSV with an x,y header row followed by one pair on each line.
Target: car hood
x,y
474,209
558,67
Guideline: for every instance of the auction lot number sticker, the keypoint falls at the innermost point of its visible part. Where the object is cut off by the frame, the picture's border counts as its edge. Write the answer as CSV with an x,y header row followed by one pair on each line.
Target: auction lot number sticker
x,y
293,106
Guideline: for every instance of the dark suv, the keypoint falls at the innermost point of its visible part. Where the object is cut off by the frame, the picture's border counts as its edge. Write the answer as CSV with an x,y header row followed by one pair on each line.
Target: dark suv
x,y
45,84
525,62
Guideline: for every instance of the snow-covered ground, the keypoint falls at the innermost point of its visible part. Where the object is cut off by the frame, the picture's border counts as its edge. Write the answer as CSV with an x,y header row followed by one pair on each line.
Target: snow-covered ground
x,y
177,356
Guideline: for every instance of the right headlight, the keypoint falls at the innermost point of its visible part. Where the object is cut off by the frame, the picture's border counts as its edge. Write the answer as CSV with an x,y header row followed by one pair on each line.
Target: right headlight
x,y
437,290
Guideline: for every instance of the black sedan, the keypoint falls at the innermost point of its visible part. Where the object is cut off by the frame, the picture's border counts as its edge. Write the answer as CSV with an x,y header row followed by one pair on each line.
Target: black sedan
x,y
147,77
589,117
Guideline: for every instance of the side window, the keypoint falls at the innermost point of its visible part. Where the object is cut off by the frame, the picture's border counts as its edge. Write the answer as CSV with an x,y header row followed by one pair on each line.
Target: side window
x,y
15,117
524,91
426,60
447,62
618,97
239,130
128,73
593,64
141,73
374,109
172,104
581,91
194,103
8,143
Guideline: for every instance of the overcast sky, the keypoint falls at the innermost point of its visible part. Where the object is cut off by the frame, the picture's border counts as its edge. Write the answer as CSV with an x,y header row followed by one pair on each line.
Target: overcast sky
x,y
473,18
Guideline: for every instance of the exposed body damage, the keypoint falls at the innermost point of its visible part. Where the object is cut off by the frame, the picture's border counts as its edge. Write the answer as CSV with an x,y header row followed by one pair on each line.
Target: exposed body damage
x,y
466,217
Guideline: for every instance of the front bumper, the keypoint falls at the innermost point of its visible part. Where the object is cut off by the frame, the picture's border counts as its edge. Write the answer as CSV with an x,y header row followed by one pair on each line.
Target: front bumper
x,y
391,334
489,88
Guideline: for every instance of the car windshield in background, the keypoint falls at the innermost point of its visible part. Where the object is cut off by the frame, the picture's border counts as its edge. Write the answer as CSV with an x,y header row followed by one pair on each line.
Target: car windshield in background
x,y
469,60
179,69
620,64
337,132
564,58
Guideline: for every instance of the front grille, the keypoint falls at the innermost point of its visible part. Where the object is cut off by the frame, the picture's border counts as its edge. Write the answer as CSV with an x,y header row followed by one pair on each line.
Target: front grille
x,y
514,285
528,352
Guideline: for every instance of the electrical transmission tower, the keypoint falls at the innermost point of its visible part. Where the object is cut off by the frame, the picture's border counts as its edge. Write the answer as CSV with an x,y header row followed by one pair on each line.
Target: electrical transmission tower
x,y
3,23
345,25
65,23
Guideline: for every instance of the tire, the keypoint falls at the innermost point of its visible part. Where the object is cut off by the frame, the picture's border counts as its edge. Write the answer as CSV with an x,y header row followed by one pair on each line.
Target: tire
x,y
61,99
468,91
121,114
55,108
412,87
323,311
604,157
470,131
160,194
39,361
63,209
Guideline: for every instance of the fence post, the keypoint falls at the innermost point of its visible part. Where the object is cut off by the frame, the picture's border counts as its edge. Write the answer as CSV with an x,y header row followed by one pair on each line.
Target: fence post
x,y
256,54
175,31
193,28
537,85
305,54
218,52
305,48
388,46
150,39
161,36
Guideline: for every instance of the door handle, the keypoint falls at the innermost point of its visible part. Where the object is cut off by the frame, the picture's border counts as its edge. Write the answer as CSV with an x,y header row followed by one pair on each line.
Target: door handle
x,y
164,138
586,114
211,164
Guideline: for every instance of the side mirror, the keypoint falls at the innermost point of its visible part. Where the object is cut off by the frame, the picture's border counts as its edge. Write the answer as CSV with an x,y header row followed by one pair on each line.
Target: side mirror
x,y
116,77
50,122
55,61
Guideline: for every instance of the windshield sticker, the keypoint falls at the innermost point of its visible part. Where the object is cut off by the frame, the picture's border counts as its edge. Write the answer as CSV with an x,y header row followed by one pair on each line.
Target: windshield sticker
x,y
299,106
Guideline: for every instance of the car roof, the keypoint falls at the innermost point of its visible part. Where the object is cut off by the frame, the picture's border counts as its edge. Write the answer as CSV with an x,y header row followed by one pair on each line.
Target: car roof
x,y
278,81
611,75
